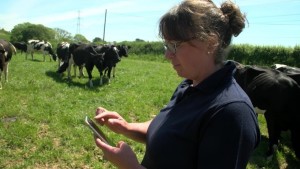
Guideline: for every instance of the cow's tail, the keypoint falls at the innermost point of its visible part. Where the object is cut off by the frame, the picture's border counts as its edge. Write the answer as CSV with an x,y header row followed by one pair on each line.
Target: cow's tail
x,y
63,67
13,48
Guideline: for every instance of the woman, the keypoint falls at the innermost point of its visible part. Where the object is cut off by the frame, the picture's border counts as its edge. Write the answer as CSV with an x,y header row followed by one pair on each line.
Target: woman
x,y
209,122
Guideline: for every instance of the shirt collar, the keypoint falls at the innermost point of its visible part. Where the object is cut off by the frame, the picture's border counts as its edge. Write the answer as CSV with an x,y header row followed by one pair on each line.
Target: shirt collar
x,y
216,80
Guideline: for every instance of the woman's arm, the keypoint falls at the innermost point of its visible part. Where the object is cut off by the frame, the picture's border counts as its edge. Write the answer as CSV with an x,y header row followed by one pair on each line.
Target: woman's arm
x,y
138,131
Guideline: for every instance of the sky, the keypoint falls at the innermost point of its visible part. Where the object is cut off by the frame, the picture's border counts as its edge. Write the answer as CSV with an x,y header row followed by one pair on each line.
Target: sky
x,y
270,22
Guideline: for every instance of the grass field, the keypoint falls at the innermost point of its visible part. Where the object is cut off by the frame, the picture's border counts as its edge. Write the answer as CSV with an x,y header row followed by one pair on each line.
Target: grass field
x,y
41,114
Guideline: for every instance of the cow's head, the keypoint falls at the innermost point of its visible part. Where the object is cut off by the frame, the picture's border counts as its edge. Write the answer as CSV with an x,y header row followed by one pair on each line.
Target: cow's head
x,y
123,50
49,49
111,53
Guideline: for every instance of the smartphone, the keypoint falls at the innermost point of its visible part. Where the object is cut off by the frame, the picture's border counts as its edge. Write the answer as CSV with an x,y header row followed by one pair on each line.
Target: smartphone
x,y
96,130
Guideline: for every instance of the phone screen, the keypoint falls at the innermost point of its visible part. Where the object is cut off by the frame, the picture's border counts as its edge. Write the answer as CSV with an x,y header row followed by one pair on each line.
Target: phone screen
x,y
97,132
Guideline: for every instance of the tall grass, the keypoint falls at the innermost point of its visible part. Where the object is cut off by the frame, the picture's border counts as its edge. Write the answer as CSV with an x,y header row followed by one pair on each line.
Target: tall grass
x,y
42,113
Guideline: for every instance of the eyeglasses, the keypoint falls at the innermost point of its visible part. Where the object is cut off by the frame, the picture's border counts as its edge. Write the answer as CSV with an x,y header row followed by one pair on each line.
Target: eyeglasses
x,y
172,46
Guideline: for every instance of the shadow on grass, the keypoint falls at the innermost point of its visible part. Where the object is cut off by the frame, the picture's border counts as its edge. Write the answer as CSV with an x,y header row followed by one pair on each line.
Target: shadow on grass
x,y
283,158
34,60
64,79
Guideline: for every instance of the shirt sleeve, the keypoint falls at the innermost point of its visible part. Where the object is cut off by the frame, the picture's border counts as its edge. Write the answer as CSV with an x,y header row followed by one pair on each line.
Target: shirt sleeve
x,y
229,139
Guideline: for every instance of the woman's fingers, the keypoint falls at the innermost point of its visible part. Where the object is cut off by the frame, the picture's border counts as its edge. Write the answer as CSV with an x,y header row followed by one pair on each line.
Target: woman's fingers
x,y
103,146
105,116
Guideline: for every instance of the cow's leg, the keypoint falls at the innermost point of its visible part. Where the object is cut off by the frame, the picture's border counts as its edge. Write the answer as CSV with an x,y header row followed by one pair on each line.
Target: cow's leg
x,y
89,69
101,72
0,79
44,56
81,72
108,74
71,63
114,71
74,69
59,63
273,131
69,71
101,76
295,139
5,68
31,55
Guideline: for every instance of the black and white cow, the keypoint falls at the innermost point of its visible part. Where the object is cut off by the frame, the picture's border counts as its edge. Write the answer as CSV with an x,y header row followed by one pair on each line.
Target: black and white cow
x,y
286,69
103,57
111,58
22,46
122,51
6,51
277,94
84,55
43,46
62,52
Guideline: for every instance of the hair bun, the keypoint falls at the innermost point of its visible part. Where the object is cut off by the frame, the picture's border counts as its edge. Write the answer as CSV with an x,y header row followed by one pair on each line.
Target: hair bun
x,y
236,20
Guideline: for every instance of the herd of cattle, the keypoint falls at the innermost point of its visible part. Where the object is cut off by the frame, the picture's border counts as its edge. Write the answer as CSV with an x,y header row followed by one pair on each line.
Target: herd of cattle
x,y
275,89
104,57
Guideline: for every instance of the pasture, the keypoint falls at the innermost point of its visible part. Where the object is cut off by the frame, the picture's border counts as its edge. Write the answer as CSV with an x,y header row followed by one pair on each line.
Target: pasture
x,y
41,114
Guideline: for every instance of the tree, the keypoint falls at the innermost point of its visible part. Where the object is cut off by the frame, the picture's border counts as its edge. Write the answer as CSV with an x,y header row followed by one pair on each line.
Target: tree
x,y
97,40
62,35
4,34
80,38
139,40
26,31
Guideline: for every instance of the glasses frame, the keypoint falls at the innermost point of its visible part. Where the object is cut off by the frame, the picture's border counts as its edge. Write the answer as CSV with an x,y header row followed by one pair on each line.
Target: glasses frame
x,y
172,46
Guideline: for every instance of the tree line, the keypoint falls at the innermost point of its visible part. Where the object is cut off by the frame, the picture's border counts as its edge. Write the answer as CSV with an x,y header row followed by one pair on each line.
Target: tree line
x,y
140,49
243,53
25,31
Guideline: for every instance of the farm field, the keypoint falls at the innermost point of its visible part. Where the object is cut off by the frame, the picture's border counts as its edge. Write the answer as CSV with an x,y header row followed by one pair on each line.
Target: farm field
x,y
41,114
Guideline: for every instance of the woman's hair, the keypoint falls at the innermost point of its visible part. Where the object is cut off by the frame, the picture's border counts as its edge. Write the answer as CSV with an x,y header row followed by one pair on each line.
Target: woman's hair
x,y
203,20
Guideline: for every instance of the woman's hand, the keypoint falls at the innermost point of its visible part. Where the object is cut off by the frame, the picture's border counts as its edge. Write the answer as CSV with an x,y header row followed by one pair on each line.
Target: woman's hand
x,y
121,156
112,120
116,123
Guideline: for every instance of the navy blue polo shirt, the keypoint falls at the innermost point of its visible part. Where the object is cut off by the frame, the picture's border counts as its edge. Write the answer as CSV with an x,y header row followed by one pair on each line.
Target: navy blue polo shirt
x,y
210,126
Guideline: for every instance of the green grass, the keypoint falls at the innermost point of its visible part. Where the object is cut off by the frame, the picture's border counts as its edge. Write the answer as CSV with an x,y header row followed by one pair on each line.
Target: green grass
x,y
41,114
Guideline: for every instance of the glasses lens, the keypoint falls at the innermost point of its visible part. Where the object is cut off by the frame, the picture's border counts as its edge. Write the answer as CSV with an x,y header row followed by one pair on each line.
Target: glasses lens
x,y
170,47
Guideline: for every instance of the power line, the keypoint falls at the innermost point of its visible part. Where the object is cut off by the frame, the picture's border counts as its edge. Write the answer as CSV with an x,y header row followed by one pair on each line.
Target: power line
x,y
282,24
271,16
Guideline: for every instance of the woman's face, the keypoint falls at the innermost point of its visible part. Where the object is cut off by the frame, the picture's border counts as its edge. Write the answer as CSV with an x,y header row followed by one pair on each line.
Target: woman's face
x,y
192,60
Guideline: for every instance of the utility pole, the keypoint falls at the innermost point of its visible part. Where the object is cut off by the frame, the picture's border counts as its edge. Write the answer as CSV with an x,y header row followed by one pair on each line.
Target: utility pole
x,y
104,25
78,24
